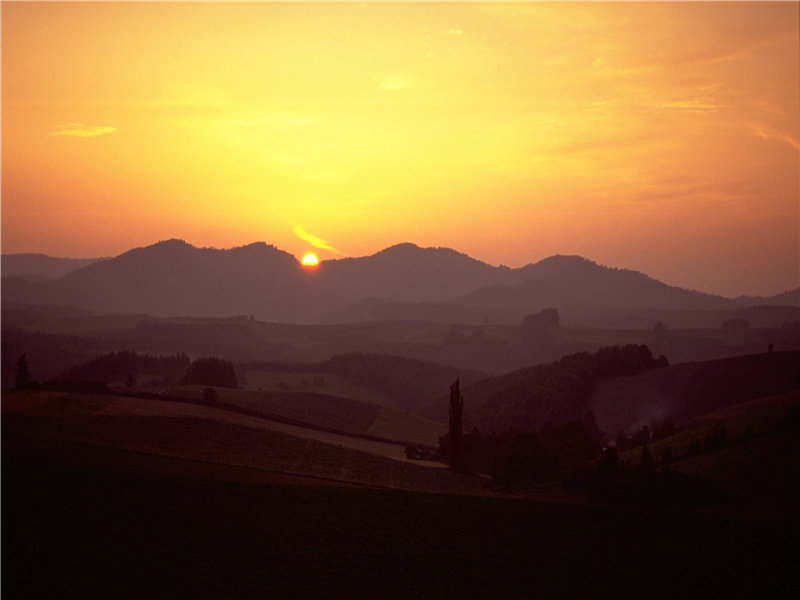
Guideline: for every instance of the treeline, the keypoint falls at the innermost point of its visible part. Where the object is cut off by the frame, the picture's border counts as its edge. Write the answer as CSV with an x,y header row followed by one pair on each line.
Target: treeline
x,y
127,366
613,482
557,392
515,458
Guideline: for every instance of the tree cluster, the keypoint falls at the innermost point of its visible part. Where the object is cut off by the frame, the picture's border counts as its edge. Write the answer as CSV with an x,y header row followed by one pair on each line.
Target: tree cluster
x,y
612,482
557,392
211,371
514,458
127,366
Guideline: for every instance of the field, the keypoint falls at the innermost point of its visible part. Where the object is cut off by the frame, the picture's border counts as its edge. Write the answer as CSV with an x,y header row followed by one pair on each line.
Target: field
x,y
115,497
89,532
340,413
183,430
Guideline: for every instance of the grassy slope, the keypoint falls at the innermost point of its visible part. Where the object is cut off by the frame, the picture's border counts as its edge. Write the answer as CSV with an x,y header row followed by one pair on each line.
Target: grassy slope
x,y
345,414
216,436
686,391
89,533
762,416
758,463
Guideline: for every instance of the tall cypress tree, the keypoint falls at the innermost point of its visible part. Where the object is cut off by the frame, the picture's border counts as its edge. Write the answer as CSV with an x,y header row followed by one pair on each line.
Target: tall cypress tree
x,y
456,427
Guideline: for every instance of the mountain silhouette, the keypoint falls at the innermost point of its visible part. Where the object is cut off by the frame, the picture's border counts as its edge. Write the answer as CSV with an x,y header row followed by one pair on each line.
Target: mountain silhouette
x,y
407,272
173,278
573,283
39,266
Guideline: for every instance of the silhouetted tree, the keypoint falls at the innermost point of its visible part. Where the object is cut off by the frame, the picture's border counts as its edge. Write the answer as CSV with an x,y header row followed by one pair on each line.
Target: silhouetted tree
x,y
536,330
210,395
212,371
456,410
523,459
22,376
609,462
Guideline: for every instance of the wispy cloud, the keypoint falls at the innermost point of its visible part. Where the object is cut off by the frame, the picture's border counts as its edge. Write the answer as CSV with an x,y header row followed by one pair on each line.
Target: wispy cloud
x,y
314,240
81,130
768,133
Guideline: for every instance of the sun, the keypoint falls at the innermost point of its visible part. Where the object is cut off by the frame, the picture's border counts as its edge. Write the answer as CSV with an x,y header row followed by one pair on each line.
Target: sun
x,y
310,262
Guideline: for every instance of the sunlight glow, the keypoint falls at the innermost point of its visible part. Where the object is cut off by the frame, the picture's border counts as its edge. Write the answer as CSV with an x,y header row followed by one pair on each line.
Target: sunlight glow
x,y
309,260
510,131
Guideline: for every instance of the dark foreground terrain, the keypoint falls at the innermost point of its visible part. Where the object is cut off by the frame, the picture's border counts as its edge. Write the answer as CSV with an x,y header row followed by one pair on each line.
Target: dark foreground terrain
x,y
78,529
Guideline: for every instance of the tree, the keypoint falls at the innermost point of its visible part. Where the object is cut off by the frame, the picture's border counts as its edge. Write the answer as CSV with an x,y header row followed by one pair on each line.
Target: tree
x,y
456,428
211,372
536,330
22,376
210,395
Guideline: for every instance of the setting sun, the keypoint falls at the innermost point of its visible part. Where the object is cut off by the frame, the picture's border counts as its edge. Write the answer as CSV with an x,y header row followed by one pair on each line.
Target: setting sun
x,y
310,261
657,136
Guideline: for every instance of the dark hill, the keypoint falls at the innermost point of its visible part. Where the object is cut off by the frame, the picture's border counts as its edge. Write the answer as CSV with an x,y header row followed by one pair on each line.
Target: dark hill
x,y
173,278
689,390
574,284
555,393
788,298
41,265
408,272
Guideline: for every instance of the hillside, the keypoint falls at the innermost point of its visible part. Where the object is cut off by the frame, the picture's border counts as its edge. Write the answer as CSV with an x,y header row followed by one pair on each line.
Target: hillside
x,y
573,284
172,278
214,436
555,393
38,266
686,391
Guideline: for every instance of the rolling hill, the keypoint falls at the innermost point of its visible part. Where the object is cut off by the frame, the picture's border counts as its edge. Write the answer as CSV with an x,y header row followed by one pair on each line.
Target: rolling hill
x,y
173,278
619,389
38,266
686,391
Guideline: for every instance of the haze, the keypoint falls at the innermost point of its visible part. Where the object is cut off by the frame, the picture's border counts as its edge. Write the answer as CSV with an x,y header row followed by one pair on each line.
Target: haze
x,y
658,137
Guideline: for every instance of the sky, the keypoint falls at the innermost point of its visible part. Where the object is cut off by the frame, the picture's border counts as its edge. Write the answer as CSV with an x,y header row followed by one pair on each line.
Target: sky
x,y
659,137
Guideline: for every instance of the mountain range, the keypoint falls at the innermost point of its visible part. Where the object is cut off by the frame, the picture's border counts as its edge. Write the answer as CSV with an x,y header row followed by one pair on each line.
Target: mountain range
x,y
402,282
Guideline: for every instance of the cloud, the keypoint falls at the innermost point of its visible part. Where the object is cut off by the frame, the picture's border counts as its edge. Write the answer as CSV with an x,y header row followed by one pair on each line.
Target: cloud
x,y
768,133
81,130
314,240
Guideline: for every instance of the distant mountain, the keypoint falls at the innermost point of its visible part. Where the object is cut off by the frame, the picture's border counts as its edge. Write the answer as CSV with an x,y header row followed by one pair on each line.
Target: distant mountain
x,y
173,278
403,282
407,272
572,283
788,298
37,266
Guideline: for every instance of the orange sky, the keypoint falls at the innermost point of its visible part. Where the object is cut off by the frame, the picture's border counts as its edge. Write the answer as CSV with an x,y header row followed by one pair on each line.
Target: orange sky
x,y
657,137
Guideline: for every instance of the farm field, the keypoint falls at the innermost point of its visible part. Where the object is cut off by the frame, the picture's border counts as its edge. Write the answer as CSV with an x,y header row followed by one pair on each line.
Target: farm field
x,y
739,421
341,413
216,436
83,531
